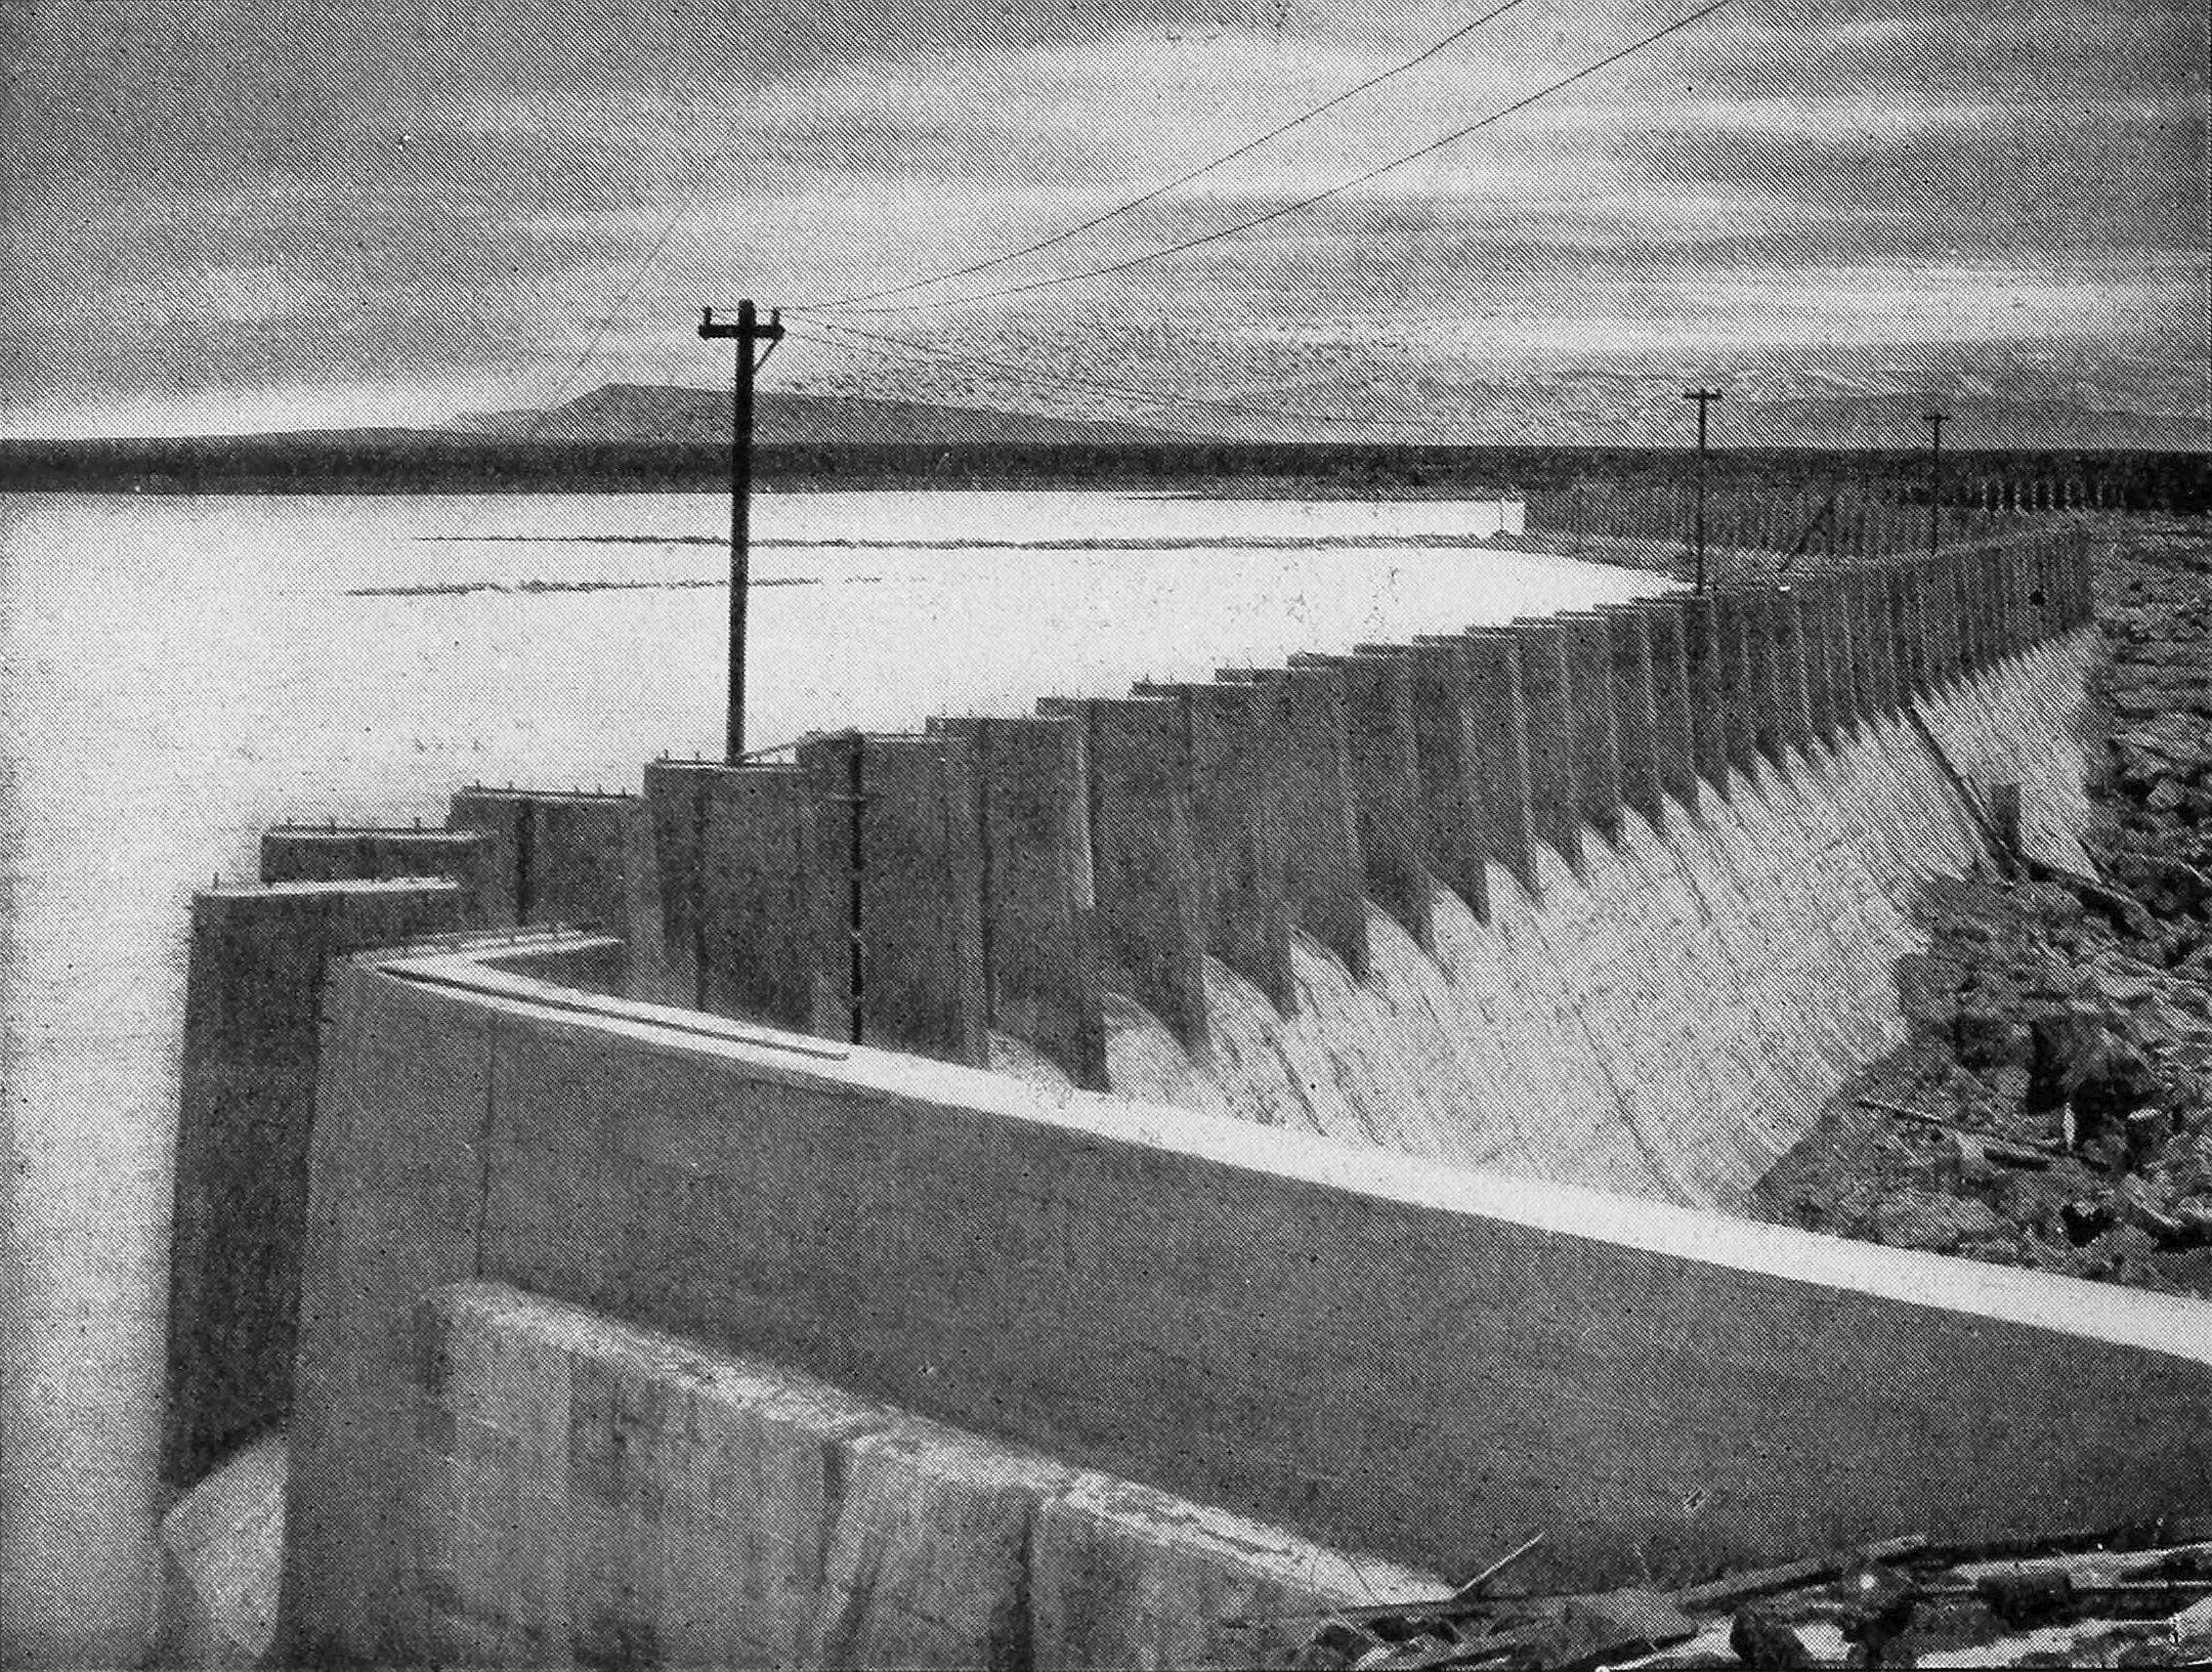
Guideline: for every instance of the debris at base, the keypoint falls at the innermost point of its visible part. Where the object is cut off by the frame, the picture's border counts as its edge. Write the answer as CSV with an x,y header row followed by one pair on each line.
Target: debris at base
x,y
2132,1596
2053,1105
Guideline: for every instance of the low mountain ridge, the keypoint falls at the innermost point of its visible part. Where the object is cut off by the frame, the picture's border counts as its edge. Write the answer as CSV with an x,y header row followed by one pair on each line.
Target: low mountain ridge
x,y
632,413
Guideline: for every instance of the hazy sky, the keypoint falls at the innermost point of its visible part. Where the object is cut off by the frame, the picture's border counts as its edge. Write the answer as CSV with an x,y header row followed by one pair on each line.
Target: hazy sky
x,y
239,214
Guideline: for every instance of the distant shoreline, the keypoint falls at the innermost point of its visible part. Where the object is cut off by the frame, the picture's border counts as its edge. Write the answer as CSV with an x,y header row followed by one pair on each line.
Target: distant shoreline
x,y
392,463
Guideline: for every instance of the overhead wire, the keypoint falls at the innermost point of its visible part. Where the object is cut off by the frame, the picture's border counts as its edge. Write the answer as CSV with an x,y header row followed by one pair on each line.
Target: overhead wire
x,y
1158,191
1294,207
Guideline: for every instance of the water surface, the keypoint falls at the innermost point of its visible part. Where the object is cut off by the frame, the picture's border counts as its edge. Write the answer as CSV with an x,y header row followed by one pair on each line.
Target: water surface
x,y
181,672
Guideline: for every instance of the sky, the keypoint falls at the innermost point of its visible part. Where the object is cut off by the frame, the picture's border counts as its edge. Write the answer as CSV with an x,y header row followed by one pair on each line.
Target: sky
x,y
237,215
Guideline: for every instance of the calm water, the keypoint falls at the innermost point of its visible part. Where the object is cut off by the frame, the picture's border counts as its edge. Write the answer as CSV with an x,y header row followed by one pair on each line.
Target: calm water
x,y
181,672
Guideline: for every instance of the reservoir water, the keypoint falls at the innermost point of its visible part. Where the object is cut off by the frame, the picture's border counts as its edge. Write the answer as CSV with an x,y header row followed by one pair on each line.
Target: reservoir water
x,y
181,673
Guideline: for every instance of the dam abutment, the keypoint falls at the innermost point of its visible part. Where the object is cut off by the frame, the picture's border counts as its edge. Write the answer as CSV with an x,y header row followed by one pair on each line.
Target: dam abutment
x,y
1504,1072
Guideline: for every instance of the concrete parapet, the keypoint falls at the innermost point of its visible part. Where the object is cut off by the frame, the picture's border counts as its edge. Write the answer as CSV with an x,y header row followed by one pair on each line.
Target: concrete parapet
x,y
2001,585
675,794
1792,674
737,850
732,1512
1105,1283
506,825
1500,738
1913,635
1984,613
1821,631
2012,634
338,853
895,887
1378,723
1854,690
253,990
1741,648
1312,771
1955,580
577,858
2033,561
1754,609
1876,643
1837,607
1938,597
1555,800
1040,959
1636,709
1703,672
1237,829
1595,721
1144,858
2038,590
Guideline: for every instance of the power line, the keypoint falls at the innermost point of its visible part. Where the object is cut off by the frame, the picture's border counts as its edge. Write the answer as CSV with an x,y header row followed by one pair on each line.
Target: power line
x,y
923,354
1336,191
685,203
1160,192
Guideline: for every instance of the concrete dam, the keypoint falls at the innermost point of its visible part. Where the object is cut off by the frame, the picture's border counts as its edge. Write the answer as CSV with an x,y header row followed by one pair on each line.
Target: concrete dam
x,y
1023,1191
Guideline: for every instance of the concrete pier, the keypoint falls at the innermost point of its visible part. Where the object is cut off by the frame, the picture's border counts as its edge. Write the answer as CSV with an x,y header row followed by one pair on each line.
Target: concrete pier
x,y
1040,956
335,853
252,1004
1595,723
896,892
1322,866
1554,794
1675,763
1151,909
1500,711
1451,794
1636,710
1706,675
1386,784
1230,733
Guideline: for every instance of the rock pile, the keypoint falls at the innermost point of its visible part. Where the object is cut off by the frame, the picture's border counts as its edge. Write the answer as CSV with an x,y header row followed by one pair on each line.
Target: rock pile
x,y
2054,1105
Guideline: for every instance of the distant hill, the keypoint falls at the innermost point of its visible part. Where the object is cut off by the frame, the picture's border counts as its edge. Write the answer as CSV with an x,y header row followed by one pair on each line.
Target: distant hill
x,y
1851,423
1873,405
648,414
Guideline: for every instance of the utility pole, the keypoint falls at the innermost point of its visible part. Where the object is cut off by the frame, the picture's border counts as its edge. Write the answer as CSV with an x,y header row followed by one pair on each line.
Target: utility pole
x,y
1704,398
1936,422
746,332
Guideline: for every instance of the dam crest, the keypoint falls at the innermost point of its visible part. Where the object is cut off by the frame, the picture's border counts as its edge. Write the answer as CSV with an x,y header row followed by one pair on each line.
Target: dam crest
x,y
1304,1103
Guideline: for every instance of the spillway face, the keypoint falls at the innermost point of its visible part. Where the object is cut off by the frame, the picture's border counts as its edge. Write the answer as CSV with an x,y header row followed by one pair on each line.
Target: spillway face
x,y
1668,1020
1611,900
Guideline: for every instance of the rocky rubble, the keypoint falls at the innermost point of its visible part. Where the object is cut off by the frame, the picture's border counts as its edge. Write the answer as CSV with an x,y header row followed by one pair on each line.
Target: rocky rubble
x,y
2054,1105
2131,1596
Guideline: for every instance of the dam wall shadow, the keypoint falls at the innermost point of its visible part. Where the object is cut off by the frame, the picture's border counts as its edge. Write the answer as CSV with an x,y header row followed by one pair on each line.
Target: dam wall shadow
x,y
1373,1353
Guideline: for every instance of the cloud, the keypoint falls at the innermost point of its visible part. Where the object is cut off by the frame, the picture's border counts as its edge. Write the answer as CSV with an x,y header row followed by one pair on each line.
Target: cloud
x,y
310,196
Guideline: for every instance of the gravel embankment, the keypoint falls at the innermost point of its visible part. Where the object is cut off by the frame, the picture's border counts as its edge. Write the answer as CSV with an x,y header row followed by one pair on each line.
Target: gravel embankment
x,y
2053,1107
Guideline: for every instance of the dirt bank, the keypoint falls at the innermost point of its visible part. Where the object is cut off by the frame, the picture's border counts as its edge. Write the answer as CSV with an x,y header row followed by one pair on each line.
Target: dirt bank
x,y
2053,1107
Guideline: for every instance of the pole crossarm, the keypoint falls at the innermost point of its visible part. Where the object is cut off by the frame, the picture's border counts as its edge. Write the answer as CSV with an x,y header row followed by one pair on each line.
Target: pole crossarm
x,y
1704,398
745,333
1934,422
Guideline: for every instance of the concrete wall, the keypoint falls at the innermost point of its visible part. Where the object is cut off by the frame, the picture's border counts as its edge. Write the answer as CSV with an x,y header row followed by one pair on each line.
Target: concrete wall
x,y
1608,899
1668,1020
1373,1351
253,993
339,853
580,857
652,1501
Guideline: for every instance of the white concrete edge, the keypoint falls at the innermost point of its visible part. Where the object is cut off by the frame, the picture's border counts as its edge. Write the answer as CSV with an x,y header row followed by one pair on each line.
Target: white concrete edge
x,y
2171,1325
424,884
